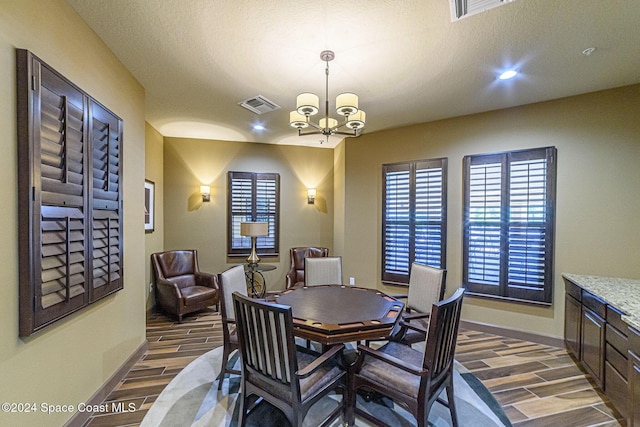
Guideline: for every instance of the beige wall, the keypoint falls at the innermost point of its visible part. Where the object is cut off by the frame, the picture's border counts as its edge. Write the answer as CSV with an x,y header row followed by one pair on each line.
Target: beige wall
x,y
598,191
339,200
67,362
190,223
154,171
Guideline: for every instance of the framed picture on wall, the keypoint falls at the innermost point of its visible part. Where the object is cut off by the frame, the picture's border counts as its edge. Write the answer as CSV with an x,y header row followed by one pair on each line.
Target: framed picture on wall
x,y
149,205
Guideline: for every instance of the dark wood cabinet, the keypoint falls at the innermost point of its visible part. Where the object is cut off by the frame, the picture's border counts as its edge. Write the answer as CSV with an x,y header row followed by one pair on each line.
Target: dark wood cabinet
x,y
572,319
592,344
634,378
598,338
616,369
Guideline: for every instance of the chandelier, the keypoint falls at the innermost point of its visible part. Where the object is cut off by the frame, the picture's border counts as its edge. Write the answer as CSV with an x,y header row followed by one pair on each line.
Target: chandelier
x,y
307,105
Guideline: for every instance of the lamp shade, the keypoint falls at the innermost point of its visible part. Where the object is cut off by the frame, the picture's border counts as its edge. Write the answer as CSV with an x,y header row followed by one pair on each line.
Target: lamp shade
x,y
357,121
347,104
307,104
205,189
297,120
254,229
324,125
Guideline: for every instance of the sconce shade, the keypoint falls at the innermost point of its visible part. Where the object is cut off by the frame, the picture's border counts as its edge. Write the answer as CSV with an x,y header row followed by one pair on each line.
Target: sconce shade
x,y
205,190
307,104
311,195
347,104
254,229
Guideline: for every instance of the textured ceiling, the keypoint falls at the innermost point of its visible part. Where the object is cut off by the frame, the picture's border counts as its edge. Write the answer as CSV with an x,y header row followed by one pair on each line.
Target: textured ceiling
x,y
407,61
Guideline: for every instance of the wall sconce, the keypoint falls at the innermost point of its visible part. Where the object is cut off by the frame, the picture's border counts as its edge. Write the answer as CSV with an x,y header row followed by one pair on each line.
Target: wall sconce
x,y
206,193
311,195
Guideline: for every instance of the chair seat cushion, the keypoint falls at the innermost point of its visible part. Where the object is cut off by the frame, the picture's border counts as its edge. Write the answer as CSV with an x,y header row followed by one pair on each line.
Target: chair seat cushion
x,y
308,386
319,379
197,294
381,372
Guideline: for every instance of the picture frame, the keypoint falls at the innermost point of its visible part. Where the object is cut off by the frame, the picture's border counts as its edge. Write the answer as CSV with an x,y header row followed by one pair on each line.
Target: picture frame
x,y
149,205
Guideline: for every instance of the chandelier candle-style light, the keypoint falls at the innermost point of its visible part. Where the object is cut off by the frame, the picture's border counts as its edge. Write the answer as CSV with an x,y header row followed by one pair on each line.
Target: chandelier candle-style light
x,y
308,104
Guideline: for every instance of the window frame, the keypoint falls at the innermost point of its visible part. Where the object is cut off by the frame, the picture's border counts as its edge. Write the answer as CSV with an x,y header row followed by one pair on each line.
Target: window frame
x,y
402,278
505,288
263,249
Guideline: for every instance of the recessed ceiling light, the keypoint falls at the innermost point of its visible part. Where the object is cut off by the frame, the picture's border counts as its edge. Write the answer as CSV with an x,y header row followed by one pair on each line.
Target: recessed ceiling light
x,y
509,74
258,127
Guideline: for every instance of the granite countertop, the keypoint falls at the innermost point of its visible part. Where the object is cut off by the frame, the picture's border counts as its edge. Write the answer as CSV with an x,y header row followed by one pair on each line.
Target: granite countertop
x,y
623,294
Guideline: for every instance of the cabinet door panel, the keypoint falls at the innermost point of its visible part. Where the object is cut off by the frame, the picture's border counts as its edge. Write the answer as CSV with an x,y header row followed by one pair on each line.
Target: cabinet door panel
x,y
592,355
572,313
634,389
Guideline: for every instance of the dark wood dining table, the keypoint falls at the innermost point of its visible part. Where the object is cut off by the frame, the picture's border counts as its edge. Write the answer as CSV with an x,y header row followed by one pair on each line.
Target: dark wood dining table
x,y
334,314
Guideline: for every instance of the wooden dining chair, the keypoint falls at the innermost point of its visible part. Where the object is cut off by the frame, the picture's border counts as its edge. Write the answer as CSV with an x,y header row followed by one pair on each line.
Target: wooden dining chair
x,y
408,376
426,287
323,271
230,281
275,370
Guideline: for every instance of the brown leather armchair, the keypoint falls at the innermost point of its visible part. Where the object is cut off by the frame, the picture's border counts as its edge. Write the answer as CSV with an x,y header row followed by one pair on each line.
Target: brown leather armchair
x,y
296,273
180,286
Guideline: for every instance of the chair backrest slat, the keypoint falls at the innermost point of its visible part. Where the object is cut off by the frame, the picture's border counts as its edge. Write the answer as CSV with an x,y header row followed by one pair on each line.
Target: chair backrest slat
x,y
265,332
442,335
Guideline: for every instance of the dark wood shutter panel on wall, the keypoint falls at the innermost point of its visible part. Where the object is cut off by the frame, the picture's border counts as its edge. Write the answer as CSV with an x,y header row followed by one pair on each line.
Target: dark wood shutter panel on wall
x,y
414,217
69,195
106,136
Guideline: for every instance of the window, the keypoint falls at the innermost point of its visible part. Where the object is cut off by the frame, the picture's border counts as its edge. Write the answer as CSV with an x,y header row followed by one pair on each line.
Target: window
x,y
414,217
253,197
509,205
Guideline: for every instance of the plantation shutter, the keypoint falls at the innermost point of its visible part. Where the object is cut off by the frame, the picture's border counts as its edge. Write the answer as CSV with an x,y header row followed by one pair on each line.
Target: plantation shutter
x,y
484,221
530,231
430,208
397,222
508,232
60,232
253,197
106,137
266,209
414,217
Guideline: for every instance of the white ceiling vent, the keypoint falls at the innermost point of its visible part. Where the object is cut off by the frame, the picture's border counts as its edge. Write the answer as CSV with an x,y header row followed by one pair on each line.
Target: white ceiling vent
x,y
463,8
259,104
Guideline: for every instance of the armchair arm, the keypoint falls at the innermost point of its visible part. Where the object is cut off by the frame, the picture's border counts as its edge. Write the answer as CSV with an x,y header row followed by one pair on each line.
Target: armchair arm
x,y
206,279
321,360
406,325
393,361
168,291
417,315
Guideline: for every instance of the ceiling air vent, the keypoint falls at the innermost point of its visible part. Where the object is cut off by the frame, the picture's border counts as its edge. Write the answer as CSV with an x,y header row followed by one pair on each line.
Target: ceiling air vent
x,y
259,104
463,8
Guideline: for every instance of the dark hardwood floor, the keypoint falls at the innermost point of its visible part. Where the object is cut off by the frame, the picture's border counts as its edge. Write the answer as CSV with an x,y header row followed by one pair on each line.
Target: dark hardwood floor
x,y
537,385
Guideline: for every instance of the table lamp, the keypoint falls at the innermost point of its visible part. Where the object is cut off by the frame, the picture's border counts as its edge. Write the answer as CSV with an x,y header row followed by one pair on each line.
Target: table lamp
x,y
253,230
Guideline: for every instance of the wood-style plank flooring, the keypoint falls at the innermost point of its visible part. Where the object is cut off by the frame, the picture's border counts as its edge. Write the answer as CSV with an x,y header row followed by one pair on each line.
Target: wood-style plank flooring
x,y
537,385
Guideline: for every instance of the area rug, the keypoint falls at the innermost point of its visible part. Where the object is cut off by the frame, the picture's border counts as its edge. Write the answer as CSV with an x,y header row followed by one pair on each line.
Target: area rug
x,y
192,399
